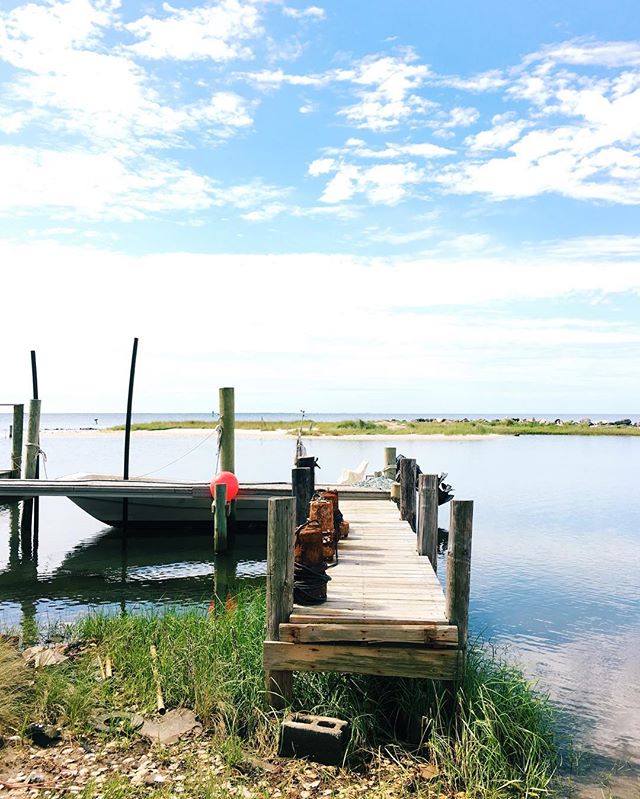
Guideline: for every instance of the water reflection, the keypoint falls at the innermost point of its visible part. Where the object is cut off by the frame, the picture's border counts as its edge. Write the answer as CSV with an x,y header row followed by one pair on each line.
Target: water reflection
x,y
556,554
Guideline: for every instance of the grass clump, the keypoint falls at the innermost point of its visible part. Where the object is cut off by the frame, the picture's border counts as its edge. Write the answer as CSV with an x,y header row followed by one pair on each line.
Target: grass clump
x,y
14,682
493,737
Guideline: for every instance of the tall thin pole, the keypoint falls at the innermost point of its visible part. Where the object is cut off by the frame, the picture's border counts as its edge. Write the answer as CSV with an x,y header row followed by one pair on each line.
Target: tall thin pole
x,y
36,501
127,428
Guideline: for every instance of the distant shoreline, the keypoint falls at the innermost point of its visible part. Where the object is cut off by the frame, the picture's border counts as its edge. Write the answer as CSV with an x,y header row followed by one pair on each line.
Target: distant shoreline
x,y
358,429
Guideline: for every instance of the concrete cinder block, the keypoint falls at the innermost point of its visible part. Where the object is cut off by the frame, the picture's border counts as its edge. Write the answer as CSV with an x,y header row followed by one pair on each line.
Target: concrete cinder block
x,y
320,738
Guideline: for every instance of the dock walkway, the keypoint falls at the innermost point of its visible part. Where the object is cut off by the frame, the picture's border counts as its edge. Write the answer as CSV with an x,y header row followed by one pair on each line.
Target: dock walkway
x,y
385,614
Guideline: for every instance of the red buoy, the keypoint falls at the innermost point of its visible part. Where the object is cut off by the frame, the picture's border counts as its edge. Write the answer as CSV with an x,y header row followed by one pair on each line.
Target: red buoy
x,y
231,482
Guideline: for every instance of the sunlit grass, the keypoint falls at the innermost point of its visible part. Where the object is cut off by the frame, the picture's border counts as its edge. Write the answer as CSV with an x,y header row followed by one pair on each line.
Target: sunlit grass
x,y
494,736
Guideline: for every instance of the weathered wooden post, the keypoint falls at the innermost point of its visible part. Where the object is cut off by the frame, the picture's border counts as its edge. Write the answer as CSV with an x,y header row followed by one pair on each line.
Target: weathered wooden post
x,y
428,517
389,468
220,518
459,566
280,531
16,443
228,423
30,473
408,491
302,490
33,440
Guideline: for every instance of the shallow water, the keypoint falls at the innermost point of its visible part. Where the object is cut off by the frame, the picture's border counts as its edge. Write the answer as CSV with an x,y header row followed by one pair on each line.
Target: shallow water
x,y
555,571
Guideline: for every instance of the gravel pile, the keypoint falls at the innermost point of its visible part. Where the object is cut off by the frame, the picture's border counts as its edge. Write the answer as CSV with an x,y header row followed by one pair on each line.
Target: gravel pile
x,y
382,483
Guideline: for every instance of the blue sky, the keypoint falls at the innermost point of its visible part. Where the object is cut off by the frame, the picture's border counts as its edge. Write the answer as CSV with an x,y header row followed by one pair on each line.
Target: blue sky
x,y
357,206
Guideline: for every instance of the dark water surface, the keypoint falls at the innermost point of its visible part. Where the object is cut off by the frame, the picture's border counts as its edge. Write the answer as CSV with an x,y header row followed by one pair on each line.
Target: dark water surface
x,y
555,570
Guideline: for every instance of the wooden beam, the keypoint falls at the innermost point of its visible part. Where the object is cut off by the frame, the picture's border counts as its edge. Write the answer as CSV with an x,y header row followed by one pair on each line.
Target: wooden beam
x,y
433,664
459,566
280,532
428,517
438,634
408,491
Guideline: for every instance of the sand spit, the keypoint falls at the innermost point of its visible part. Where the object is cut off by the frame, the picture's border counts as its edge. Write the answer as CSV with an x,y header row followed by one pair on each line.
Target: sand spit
x,y
266,435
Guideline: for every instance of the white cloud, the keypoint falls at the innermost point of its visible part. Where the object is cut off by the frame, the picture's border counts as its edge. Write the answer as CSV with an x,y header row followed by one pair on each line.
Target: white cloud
x,y
78,184
70,83
359,148
385,184
389,96
504,131
595,247
219,32
472,343
585,52
311,12
580,139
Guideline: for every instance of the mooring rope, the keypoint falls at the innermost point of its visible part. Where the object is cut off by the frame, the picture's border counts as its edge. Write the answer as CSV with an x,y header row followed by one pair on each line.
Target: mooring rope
x,y
39,454
217,431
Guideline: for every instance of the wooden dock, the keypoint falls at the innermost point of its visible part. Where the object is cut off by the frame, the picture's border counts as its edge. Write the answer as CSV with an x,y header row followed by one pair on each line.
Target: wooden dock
x,y
386,612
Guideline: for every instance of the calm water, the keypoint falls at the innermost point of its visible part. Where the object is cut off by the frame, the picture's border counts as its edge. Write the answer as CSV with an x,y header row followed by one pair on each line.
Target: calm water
x,y
556,560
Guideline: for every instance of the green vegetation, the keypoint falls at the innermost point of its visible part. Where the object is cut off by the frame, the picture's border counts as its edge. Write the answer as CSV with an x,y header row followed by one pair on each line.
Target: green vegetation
x,y
498,742
482,427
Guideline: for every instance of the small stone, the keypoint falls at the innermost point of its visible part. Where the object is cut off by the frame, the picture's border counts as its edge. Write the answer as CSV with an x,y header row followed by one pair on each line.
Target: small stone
x,y
36,778
154,779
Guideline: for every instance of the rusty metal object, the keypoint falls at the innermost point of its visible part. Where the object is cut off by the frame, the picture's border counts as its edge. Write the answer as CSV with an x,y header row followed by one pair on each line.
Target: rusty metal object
x,y
310,579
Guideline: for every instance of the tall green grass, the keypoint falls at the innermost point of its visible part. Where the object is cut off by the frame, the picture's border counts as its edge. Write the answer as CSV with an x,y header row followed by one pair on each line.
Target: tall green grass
x,y
494,736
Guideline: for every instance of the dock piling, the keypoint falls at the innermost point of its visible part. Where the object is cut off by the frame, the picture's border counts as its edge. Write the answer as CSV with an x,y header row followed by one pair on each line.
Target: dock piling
x,y
16,442
389,468
459,566
428,517
227,421
280,533
408,491
33,440
220,518
302,490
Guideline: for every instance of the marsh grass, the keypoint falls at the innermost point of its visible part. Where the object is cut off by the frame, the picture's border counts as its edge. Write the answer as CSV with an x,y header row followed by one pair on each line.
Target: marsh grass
x,y
425,427
499,741
14,684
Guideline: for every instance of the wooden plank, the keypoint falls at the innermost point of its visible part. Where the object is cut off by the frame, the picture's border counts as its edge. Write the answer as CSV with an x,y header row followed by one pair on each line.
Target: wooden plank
x,y
439,634
357,617
434,664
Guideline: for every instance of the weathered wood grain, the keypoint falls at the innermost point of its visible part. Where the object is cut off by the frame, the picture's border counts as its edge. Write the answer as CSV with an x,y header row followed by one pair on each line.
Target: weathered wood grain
x,y
432,634
435,664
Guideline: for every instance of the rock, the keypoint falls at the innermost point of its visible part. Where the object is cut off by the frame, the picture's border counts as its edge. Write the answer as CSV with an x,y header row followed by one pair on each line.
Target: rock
x,y
43,736
45,655
36,778
622,423
154,779
115,722
171,727
586,421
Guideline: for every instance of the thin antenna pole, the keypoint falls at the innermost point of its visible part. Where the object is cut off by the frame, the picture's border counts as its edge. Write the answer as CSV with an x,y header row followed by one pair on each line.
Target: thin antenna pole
x,y
127,428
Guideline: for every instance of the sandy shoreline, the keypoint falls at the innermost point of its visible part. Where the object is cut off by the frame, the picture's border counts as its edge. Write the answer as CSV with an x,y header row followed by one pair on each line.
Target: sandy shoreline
x,y
267,435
